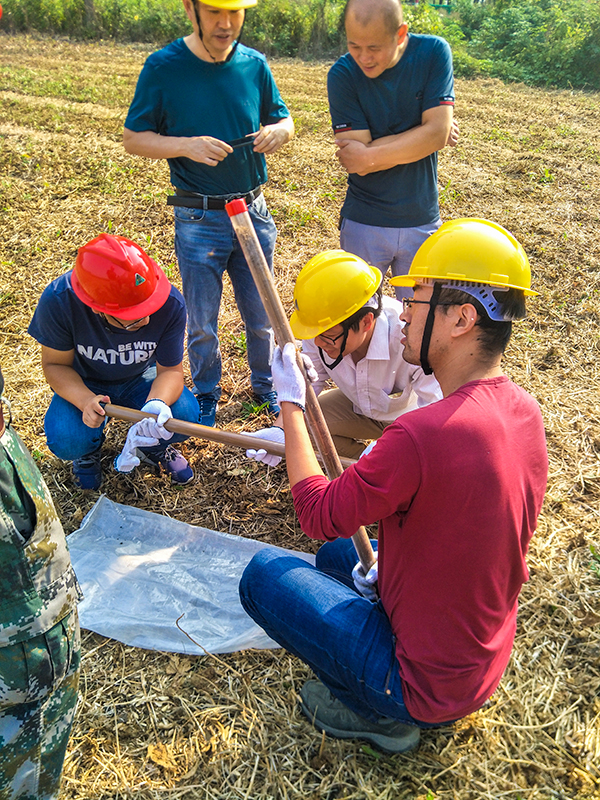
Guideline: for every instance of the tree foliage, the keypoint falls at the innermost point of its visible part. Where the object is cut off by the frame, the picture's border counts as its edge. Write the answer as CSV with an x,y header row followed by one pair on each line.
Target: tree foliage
x,y
549,42
544,42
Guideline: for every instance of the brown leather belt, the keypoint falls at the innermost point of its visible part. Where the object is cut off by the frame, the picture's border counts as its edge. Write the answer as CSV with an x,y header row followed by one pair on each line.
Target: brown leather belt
x,y
206,202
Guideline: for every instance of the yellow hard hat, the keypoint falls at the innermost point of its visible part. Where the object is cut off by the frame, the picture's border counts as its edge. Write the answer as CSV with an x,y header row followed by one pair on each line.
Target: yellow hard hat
x,y
230,5
470,250
329,289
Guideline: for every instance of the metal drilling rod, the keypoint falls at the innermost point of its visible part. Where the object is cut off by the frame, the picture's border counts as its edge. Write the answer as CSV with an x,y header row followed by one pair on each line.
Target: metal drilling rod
x,y
204,432
244,229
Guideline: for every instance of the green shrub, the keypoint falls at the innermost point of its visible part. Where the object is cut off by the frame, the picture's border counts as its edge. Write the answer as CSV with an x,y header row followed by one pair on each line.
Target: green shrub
x,y
470,15
547,42
131,20
467,66
47,16
141,20
423,18
296,27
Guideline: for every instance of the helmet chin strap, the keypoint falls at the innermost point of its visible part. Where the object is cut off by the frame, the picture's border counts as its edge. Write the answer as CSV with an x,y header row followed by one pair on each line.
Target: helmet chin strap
x,y
334,364
437,288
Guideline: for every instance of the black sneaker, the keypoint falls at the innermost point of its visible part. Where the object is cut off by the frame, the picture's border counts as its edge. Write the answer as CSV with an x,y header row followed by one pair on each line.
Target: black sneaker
x,y
87,471
173,463
329,714
208,409
269,401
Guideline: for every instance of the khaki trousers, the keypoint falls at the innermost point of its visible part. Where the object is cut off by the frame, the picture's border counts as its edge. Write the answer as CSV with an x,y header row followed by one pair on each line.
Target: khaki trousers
x,y
350,431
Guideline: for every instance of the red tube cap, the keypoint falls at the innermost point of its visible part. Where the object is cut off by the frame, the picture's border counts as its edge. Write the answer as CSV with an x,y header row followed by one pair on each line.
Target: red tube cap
x,y
235,207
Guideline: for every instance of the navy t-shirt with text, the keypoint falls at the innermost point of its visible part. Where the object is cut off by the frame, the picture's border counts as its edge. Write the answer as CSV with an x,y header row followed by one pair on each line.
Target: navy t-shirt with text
x,y
104,353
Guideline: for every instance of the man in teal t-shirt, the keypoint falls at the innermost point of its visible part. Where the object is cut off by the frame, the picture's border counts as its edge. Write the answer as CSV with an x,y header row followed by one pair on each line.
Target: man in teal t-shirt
x,y
210,106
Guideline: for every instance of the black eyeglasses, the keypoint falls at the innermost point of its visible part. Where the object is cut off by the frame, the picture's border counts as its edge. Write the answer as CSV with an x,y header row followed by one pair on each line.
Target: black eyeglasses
x,y
330,339
120,324
407,302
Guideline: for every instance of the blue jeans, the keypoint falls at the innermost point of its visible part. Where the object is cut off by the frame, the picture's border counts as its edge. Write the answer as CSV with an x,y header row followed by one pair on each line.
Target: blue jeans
x,y
69,437
206,247
317,614
386,248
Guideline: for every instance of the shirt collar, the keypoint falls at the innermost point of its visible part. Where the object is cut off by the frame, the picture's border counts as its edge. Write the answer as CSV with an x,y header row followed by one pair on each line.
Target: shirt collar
x,y
379,346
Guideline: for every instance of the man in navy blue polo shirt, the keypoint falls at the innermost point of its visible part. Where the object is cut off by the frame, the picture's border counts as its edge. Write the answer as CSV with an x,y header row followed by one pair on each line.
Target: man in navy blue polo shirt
x,y
210,106
391,100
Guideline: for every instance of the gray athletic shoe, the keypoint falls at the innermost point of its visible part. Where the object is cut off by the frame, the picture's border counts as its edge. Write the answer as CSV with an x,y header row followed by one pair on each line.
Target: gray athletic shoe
x,y
329,714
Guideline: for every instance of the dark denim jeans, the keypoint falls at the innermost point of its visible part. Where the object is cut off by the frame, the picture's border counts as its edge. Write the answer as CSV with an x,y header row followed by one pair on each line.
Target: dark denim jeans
x,y
316,613
206,247
69,437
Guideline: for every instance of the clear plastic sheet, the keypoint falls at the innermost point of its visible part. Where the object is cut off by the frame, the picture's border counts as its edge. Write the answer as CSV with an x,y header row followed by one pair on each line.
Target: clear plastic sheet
x,y
140,572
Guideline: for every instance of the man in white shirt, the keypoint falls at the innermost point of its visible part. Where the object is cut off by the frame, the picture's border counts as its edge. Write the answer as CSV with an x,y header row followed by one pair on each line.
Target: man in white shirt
x,y
351,334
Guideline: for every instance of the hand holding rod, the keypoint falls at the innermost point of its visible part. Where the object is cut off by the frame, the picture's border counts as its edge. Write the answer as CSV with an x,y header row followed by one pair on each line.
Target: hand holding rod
x,y
244,229
204,432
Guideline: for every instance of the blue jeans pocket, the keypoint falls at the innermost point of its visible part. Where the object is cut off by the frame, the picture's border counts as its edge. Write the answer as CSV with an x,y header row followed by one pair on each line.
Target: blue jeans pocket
x,y
184,214
259,207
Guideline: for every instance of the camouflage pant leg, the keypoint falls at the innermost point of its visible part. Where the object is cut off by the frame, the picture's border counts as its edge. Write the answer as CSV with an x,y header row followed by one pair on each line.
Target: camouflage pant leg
x,y
38,698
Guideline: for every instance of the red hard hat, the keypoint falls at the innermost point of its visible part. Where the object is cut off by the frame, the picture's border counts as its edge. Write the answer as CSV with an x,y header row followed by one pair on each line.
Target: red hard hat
x,y
115,276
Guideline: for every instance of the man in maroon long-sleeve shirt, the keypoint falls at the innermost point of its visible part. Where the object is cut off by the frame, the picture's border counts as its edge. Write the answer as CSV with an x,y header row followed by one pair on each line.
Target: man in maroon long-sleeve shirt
x,y
456,487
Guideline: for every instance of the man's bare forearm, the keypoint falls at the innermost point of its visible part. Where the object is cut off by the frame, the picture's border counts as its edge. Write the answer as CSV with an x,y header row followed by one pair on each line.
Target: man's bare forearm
x,y
203,149
301,461
152,145
67,384
407,147
168,384
271,137
364,155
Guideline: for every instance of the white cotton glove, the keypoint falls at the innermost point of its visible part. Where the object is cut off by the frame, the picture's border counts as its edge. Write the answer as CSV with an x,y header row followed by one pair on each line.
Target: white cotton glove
x,y
155,427
288,381
368,449
311,372
272,434
128,459
366,584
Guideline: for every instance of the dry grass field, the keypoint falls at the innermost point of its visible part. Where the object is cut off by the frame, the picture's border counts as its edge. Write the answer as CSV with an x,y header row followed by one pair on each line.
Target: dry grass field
x,y
154,725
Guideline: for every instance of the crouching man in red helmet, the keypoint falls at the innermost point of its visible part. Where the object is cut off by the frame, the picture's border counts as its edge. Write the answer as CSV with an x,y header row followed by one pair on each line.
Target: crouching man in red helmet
x,y
112,331
456,486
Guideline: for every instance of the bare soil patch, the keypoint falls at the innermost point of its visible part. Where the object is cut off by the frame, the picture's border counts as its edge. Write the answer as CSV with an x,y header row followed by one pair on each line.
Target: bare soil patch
x,y
154,725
